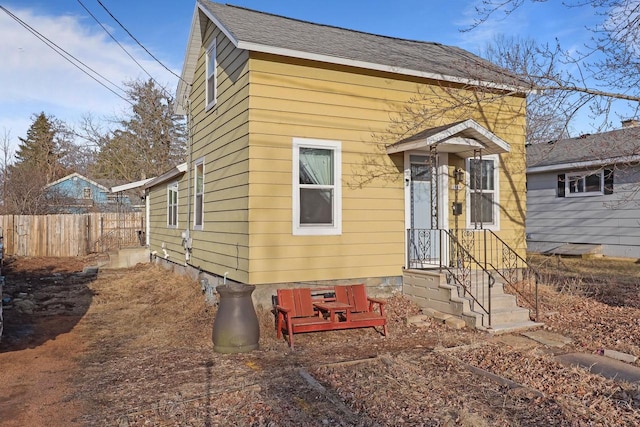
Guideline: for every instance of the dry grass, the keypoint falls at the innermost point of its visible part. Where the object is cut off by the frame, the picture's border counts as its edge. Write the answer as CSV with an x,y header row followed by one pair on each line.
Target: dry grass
x,y
150,361
615,282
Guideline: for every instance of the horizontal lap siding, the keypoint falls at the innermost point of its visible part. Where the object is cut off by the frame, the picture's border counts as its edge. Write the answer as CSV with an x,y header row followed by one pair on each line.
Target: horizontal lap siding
x,y
290,101
513,190
161,233
608,219
296,99
221,137
223,140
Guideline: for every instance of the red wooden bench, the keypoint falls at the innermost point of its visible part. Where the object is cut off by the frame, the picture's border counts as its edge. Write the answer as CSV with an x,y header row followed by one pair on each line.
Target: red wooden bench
x,y
297,311
363,312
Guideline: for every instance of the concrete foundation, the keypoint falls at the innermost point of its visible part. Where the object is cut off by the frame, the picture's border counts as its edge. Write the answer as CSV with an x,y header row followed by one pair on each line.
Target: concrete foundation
x,y
382,287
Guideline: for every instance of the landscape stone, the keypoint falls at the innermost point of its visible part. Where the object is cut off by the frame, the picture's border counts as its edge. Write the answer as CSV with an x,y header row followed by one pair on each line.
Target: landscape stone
x,y
455,322
618,355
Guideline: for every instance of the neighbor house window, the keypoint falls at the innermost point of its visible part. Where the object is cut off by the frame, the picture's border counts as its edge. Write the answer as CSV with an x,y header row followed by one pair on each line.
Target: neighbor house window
x,y
483,192
86,192
198,220
172,205
317,190
212,66
577,184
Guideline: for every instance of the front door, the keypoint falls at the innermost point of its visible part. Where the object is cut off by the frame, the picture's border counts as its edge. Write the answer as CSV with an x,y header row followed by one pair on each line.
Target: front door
x,y
424,238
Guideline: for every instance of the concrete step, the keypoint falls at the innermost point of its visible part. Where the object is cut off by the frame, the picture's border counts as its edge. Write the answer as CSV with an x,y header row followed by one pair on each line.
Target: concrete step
x,y
508,328
500,301
509,315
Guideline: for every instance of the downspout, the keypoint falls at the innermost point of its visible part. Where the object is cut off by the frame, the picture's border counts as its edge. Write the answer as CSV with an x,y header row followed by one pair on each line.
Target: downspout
x,y
147,225
187,232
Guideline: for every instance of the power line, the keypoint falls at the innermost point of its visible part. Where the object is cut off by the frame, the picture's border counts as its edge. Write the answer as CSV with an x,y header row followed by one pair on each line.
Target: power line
x,y
57,49
140,44
121,47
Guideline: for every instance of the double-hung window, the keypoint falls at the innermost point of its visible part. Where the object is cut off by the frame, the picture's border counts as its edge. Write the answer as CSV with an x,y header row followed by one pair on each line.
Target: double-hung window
x,y
172,205
212,66
198,187
317,187
483,192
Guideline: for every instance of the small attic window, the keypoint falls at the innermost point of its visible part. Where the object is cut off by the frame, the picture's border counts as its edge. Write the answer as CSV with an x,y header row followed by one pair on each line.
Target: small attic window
x,y
212,65
86,192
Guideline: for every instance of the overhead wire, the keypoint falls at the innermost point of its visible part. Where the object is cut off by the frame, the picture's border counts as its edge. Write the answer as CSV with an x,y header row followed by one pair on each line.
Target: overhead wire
x,y
140,44
68,56
118,43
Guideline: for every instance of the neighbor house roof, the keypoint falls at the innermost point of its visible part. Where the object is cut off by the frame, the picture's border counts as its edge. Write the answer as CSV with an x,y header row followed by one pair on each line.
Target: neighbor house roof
x,y
263,32
595,150
76,175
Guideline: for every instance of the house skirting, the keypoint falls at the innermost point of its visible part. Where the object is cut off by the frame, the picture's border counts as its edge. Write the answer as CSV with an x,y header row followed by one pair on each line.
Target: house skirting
x,y
382,287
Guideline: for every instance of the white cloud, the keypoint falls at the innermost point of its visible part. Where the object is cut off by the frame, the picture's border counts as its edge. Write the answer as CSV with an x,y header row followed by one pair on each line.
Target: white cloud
x,y
35,78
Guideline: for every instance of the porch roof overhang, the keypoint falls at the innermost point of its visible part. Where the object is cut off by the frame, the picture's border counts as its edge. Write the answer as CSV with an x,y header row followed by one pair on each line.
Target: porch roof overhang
x,y
461,138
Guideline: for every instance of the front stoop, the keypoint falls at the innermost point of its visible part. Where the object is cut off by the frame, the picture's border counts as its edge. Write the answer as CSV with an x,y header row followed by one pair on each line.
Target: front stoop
x,y
429,289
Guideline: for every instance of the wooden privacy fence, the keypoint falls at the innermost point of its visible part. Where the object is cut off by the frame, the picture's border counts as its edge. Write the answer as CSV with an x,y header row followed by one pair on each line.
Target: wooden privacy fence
x,y
71,234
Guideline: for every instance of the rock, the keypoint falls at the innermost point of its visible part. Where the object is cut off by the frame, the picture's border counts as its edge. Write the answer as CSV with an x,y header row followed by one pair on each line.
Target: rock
x,y
441,316
418,318
455,322
618,355
24,305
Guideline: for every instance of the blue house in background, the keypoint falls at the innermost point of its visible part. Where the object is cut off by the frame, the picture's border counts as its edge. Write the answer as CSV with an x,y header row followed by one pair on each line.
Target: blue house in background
x,y
75,194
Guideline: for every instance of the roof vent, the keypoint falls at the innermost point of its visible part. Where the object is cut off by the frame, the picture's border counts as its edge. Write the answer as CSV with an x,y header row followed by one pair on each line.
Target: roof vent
x,y
630,123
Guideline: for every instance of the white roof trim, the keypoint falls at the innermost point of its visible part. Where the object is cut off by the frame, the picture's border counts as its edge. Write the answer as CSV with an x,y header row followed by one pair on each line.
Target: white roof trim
x,y
178,170
195,42
583,165
130,185
368,65
449,140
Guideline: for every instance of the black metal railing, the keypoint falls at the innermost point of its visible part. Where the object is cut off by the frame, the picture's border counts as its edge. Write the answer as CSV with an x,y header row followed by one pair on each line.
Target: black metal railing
x,y
442,249
519,277
473,256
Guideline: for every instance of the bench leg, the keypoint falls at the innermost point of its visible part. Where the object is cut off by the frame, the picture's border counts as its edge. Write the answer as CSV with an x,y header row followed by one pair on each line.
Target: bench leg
x,y
290,332
279,326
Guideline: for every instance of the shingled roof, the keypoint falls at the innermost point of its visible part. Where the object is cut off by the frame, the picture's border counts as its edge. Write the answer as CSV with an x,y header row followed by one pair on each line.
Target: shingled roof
x,y
264,32
600,149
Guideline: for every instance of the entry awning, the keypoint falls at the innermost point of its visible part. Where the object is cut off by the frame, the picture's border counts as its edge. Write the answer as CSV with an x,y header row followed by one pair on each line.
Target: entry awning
x,y
461,138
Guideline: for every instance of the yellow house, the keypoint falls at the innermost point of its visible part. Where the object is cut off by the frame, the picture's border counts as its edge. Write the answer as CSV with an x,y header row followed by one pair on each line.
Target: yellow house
x,y
320,155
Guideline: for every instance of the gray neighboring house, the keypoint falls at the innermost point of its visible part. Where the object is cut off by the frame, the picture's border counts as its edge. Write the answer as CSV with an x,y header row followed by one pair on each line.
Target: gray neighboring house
x,y
583,194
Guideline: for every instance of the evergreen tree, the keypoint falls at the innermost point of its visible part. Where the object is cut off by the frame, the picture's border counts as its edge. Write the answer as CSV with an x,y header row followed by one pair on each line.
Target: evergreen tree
x,y
38,162
150,140
41,151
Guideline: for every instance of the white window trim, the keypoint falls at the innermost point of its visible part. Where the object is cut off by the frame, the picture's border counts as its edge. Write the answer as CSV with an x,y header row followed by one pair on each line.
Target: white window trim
x,y
173,187
211,74
317,230
496,193
198,162
568,175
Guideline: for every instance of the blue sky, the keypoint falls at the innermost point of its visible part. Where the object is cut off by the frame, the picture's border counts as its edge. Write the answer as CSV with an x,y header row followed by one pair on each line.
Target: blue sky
x,y
33,78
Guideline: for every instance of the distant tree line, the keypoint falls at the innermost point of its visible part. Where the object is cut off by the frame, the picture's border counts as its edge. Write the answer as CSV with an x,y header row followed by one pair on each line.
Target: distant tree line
x,y
144,142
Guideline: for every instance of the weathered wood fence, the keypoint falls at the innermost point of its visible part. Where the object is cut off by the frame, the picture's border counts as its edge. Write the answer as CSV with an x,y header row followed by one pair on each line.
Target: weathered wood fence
x,y
71,234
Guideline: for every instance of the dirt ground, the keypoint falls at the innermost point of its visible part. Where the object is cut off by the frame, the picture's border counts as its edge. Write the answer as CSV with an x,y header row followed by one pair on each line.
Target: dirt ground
x,y
133,347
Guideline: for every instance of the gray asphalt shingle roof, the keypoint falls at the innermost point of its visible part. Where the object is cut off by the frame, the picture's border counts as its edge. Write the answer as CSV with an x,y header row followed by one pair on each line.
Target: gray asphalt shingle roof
x,y
603,148
265,29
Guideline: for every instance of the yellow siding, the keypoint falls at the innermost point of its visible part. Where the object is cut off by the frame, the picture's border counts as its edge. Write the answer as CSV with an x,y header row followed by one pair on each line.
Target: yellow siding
x,y
265,101
221,138
295,98
161,233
